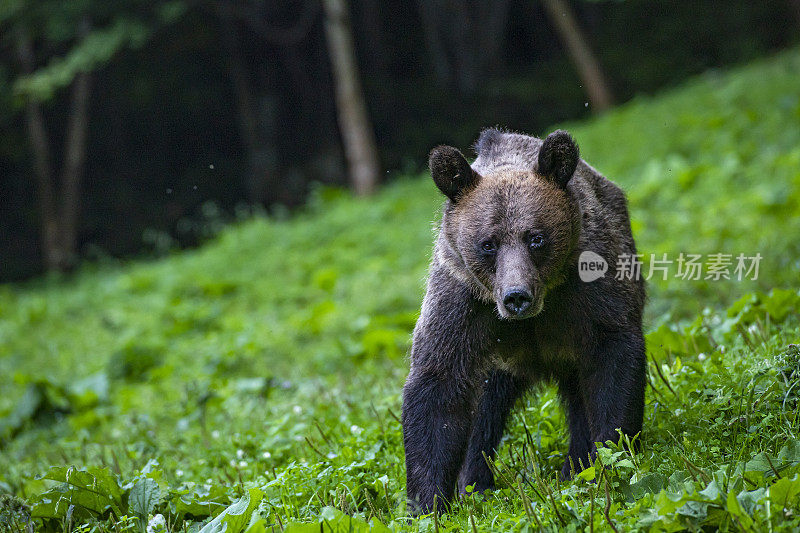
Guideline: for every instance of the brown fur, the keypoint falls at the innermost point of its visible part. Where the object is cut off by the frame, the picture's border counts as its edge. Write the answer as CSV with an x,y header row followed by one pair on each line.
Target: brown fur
x,y
514,224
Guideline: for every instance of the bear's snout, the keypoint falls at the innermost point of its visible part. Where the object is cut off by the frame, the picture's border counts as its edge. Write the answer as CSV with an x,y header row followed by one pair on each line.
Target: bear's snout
x,y
517,301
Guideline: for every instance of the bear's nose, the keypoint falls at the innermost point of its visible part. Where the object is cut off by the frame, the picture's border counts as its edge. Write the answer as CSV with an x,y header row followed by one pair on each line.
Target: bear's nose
x,y
517,301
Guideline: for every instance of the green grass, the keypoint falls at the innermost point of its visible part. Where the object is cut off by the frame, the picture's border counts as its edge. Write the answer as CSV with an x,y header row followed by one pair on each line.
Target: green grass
x,y
269,362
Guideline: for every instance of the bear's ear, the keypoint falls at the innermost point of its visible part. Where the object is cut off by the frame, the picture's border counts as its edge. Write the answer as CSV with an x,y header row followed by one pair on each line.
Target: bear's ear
x,y
451,172
558,157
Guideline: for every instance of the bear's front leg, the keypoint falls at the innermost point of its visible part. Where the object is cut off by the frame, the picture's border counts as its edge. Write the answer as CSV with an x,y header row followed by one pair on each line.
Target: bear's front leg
x,y
613,386
572,395
450,344
500,392
436,424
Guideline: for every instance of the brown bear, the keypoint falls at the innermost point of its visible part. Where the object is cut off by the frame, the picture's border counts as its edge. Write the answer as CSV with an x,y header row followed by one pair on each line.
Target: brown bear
x,y
506,307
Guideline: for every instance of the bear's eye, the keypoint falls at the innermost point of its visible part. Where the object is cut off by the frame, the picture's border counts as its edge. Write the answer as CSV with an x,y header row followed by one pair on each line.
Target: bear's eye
x,y
537,241
488,247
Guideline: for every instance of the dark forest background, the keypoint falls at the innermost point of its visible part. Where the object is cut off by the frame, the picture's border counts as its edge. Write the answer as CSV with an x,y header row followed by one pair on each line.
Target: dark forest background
x,y
135,127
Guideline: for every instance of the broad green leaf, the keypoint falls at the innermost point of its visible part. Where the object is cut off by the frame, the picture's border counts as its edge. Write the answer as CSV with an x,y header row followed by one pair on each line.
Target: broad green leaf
x,y
736,510
784,492
235,518
587,474
780,303
143,497
650,483
93,491
200,502
257,526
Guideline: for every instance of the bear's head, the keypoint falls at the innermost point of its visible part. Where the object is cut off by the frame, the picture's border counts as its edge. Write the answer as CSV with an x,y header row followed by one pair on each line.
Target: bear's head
x,y
510,232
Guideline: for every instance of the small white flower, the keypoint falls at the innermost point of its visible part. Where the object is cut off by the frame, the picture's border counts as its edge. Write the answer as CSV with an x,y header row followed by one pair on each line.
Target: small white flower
x,y
232,462
701,356
179,473
266,455
240,453
297,409
242,464
215,434
355,430
157,524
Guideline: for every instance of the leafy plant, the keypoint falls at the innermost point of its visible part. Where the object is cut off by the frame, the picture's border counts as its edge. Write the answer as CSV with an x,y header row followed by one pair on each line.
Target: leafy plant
x,y
254,384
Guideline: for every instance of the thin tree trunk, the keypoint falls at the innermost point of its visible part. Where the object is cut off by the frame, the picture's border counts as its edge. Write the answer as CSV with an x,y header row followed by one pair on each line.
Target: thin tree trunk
x,y
37,136
59,206
74,166
42,165
357,134
74,162
582,56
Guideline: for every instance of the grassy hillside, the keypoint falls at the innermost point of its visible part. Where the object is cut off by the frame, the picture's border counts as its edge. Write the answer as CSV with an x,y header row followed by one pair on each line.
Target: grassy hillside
x,y
267,365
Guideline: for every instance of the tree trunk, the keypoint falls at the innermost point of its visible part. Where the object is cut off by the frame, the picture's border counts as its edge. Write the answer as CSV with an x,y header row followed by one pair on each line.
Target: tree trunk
x,y
357,134
42,166
74,165
582,56
37,136
59,207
